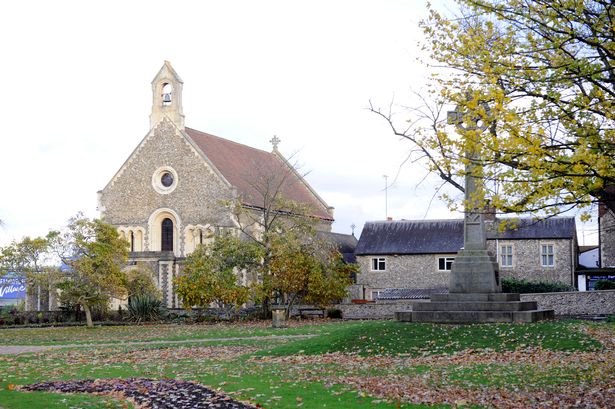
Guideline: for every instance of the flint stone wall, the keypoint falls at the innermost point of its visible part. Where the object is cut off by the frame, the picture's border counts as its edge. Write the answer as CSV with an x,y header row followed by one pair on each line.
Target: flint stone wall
x,y
566,303
607,239
421,270
130,198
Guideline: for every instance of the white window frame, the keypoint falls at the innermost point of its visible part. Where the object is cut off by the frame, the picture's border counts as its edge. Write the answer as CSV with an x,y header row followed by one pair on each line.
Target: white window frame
x,y
447,259
545,254
509,256
374,294
375,264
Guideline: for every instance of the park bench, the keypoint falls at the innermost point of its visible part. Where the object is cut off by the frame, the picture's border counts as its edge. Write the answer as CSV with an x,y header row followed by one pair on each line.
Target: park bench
x,y
311,312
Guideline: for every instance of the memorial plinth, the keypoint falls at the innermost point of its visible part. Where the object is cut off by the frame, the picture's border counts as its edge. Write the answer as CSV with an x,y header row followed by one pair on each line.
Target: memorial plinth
x,y
475,292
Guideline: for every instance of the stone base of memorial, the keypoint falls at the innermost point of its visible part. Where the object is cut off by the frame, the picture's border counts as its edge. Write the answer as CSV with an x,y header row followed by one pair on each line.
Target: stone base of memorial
x,y
475,297
472,308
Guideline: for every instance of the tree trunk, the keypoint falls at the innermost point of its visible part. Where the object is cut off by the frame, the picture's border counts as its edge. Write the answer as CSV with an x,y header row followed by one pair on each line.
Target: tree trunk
x,y
88,316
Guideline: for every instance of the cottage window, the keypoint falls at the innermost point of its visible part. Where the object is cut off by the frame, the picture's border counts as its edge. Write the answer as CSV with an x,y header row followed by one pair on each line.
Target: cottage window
x,y
379,264
445,263
506,256
547,255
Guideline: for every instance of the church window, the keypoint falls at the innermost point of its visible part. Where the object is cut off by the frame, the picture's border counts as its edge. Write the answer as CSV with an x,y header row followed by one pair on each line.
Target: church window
x,y
166,235
132,241
445,263
379,264
166,179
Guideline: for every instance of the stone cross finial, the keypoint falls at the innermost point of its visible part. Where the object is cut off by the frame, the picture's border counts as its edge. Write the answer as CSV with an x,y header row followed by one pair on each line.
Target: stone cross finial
x,y
275,141
474,229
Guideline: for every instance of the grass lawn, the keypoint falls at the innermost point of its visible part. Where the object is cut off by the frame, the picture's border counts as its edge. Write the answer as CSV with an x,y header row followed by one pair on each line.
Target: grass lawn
x,y
376,364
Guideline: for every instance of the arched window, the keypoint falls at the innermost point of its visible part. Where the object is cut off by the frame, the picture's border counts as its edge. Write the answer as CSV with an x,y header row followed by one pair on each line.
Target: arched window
x,y
167,235
132,241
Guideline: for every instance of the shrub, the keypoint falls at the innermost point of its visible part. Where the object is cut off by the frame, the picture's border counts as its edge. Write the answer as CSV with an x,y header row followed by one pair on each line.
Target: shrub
x,y
144,308
605,285
334,313
513,285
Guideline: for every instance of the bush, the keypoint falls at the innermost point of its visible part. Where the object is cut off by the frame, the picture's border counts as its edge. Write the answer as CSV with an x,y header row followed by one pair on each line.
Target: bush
x,y
513,285
334,313
605,285
144,308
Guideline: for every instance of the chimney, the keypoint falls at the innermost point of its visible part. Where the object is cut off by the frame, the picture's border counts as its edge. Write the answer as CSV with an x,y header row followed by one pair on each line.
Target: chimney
x,y
389,219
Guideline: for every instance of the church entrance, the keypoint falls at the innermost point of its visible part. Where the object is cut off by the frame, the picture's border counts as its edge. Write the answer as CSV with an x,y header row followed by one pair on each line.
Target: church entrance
x,y
166,243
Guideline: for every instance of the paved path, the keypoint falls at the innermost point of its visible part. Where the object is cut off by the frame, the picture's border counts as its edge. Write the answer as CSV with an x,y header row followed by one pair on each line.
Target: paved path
x,y
26,349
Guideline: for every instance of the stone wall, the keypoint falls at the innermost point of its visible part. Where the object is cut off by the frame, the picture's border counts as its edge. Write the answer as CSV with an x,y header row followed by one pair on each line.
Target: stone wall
x,y
421,270
527,260
575,303
131,197
570,303
412,271
607,237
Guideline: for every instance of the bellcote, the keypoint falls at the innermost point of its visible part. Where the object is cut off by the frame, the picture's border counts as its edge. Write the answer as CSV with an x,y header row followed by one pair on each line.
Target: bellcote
x,y
167,97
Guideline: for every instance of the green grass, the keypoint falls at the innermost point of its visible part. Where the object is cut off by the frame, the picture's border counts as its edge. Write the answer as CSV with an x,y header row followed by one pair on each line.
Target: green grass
x,y
291,373
168,332
394,338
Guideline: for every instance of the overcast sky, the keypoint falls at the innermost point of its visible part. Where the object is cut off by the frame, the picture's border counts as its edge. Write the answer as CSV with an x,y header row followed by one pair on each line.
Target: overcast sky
x,y
76,97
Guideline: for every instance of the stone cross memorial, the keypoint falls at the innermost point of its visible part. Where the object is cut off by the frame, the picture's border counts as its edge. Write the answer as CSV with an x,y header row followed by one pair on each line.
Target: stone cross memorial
x,y
475,292
474,269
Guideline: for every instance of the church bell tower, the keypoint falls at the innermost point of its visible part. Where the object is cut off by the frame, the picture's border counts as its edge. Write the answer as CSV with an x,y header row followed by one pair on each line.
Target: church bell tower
x,y
167,97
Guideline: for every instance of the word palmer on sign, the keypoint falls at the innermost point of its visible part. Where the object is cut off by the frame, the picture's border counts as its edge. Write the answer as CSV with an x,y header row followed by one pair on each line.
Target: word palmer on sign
x,y
11,287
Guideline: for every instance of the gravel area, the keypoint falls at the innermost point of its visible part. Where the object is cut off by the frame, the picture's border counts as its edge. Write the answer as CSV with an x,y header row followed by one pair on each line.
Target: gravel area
x,y
147,393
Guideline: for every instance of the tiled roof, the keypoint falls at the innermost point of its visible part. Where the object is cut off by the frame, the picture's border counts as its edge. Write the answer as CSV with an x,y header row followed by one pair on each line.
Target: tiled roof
x,y
411,237
446,236
346,244
251,170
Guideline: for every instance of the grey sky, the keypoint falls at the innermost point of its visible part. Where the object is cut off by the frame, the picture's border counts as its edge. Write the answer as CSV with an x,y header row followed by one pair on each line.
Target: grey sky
x,y
76,96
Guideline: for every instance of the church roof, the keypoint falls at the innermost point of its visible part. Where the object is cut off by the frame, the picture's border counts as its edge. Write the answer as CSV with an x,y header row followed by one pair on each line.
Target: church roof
x,y
252,170
446,236
345,243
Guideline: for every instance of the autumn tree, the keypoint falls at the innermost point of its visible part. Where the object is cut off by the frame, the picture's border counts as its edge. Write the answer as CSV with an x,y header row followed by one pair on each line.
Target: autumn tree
x,y
95,254
140,282
541,75
213,273
306,269
29,260
270,210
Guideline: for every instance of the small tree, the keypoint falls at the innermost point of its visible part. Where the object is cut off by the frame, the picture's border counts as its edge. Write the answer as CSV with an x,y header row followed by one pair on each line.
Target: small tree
x,y
303,268
140,282
211,273
94,253
29,261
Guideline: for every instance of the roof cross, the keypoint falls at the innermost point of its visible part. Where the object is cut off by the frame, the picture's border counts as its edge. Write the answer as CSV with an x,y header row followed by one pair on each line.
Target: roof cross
x,y
275,141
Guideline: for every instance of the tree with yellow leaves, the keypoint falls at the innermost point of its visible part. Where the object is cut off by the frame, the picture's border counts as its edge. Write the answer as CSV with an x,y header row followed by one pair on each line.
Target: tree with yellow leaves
x,y
541,75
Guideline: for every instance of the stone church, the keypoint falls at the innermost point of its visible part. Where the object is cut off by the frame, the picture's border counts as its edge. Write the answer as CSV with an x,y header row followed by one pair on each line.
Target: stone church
x,y
180,186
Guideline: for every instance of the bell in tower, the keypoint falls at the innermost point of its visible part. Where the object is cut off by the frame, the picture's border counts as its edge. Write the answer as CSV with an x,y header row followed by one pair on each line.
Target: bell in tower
x,y
167,89
167,102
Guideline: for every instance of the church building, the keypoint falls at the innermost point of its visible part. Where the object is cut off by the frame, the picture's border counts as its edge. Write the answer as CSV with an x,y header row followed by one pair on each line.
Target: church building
x,y
181,187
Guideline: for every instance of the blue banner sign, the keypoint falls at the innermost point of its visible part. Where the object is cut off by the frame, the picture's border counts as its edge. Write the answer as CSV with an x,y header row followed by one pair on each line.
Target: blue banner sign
x,y
11,287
